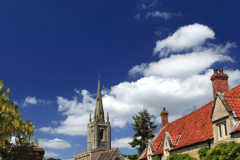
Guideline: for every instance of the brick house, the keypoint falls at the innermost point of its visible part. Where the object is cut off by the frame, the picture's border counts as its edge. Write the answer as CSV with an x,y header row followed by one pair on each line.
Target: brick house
x,y
216,122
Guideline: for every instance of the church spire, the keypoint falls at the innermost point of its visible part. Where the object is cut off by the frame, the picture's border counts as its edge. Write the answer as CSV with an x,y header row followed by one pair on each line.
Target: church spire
x,y
99,113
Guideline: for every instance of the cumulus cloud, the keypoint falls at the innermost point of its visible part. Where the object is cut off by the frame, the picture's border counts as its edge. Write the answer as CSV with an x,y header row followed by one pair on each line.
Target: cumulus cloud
x,y
180,82
122,143
184,38
34,101
55,143
184,65
50,154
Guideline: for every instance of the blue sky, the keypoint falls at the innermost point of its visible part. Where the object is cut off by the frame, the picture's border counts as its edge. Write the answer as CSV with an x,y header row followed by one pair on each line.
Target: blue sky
x,y
152,53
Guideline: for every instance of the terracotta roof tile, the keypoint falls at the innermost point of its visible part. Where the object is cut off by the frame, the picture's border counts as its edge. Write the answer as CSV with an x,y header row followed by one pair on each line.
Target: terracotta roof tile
x,y
108,150
159,151
237,129
175,139
233,98
194,127
155,145
144,156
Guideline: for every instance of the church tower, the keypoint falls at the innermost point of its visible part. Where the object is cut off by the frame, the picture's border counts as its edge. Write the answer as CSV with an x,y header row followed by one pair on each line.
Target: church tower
x,y
98,132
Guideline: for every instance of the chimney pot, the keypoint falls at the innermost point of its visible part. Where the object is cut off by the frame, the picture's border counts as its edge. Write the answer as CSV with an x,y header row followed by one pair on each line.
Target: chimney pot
x,y
215,71
221,72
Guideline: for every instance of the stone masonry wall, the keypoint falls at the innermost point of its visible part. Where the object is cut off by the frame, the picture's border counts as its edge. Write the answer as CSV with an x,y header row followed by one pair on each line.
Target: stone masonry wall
x,y
27,153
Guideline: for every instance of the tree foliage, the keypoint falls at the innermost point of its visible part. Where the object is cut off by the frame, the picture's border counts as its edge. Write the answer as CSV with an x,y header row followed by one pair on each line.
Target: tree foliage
x,y
157,157
176,156
130,157
144,128
230,150
12,124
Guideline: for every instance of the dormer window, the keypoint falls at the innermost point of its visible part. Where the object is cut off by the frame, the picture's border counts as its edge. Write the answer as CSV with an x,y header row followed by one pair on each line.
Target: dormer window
x,y
222,130
225,127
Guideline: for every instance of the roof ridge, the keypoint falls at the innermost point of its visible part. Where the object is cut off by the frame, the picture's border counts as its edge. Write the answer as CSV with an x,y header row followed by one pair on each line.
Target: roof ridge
x,y
232,89
109,150
190,112
112,153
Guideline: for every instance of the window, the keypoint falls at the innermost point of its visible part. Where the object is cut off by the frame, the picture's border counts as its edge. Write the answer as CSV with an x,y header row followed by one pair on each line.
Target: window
x,y
101,134
225,126
222,130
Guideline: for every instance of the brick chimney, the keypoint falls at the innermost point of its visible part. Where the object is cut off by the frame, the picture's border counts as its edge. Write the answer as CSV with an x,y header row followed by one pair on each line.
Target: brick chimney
x,y
164,116
219,82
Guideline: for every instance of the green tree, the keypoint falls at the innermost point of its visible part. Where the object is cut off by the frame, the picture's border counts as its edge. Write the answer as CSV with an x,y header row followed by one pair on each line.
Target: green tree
x,y
12,124
230,150
175,156
130,157
157,157
144,128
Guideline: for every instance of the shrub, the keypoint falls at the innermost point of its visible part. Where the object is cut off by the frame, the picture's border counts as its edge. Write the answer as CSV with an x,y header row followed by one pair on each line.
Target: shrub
x,y
176,156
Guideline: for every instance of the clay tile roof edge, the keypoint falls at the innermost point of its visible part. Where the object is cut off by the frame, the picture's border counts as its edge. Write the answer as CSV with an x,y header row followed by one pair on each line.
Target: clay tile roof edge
x,y
142,154
232,89
156,135
234,115
112,153
108,150
177,140
154,154
232,130
99,155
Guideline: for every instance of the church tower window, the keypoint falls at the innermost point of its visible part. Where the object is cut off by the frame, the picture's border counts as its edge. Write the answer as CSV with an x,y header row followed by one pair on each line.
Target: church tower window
x,y
101,134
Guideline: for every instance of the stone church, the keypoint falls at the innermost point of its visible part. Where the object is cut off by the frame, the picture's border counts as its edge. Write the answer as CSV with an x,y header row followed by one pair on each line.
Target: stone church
x,y
216,122
99,136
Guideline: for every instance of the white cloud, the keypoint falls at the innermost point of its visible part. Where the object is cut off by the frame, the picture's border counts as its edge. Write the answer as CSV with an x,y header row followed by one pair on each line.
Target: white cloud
x,y
184,65
55,143
184,38
164,15
30,100
122,143
13,140
50,154
34,101
181,83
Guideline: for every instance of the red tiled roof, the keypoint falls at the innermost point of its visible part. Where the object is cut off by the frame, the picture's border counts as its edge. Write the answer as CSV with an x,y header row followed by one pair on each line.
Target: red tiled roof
x,y
108,150
159,151
175,139
155,145
237,128
144,156
233,98
194,127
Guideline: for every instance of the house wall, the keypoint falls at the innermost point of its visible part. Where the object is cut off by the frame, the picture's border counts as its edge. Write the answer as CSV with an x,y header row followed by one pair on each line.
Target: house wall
x,y
192,150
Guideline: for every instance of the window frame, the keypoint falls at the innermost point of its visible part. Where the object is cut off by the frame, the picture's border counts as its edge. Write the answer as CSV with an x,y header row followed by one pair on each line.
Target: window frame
x,y
222,130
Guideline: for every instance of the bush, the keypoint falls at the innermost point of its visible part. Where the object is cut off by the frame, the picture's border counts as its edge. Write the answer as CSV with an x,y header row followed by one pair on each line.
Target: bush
x,y
156,157
229,150
175,156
